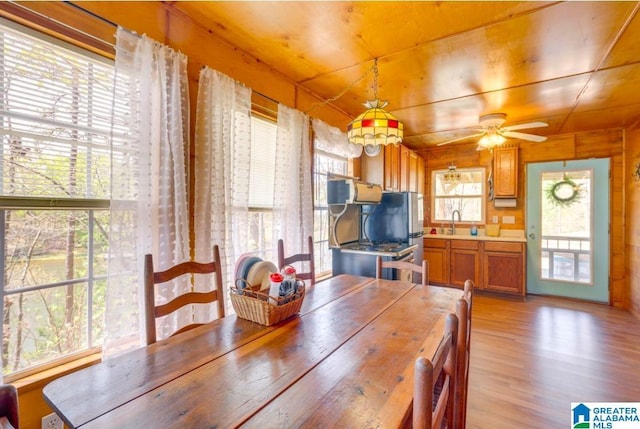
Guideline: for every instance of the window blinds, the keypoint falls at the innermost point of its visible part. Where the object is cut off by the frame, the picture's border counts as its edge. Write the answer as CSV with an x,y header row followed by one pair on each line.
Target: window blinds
x,y
55,110
263,157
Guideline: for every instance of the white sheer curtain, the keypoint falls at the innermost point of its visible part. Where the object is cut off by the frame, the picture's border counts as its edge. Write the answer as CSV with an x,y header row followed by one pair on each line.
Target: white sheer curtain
x,y
333,140
149,212
293,193
223,155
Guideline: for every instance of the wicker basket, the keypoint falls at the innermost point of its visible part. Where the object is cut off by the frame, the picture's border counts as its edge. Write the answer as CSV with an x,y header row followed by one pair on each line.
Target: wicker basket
x,y
256,306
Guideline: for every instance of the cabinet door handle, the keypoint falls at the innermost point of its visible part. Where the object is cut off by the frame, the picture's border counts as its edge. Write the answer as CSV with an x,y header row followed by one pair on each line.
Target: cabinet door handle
x,y
532,236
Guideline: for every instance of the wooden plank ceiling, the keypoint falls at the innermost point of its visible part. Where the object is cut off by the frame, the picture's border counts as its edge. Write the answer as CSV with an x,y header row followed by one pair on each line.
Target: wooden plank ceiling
x,y
573,65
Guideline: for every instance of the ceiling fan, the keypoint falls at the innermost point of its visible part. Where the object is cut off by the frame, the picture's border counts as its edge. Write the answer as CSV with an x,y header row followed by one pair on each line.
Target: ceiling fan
x,y
494,134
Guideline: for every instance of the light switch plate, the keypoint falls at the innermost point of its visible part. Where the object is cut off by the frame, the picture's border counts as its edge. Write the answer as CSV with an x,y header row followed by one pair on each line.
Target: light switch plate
x,y
508,219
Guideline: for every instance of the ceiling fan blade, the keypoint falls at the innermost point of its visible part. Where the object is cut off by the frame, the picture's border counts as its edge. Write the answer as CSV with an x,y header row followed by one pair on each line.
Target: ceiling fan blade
x,y
460,139
523,136
525,126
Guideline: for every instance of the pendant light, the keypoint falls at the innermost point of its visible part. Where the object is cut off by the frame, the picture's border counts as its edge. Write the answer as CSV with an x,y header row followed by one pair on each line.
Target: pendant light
x,y
375,126
452,175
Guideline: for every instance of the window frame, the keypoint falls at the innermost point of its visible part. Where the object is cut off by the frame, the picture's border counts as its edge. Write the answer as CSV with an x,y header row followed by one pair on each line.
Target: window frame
x,y
89,206
319,239
262,213
436,196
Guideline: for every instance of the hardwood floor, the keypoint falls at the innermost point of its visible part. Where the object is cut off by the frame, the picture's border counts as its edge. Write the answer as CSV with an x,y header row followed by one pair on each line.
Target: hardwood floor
x,y
530,360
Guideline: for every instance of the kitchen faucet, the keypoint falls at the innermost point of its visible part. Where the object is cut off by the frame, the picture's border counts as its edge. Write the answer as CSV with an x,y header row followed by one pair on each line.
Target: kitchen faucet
x,y
453,221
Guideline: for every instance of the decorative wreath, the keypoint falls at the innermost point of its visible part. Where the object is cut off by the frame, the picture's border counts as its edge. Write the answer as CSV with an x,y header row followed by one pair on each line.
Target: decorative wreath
x,y
564,193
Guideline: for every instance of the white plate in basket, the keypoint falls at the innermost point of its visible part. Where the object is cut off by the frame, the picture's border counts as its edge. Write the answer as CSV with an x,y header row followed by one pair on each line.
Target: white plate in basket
x,y
259,274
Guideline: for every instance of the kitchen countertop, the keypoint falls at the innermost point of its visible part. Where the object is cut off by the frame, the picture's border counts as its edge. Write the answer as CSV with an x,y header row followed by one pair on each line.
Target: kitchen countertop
x,y
516,235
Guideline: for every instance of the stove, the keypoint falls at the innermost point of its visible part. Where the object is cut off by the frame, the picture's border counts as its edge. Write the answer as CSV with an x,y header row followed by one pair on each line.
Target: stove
x,y
394,250
359,257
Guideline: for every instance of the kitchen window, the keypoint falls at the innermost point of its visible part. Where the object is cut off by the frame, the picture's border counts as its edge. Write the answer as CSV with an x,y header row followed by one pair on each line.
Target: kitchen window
x,y
54,199
458,189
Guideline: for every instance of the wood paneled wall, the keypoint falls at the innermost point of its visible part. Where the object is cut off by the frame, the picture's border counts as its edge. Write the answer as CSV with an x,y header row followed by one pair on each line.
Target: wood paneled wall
x,y
632,214
596,144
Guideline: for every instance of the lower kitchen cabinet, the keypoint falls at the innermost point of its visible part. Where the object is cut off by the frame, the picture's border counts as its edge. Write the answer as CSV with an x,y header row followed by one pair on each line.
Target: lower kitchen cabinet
x,y
436,251
496,266
465,262
504,267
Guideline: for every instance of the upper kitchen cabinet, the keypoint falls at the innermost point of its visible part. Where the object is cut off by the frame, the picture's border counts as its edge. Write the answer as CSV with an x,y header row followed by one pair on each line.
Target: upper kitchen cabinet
x,y
405,165
505,171
411,171
395,168
420,174
392,168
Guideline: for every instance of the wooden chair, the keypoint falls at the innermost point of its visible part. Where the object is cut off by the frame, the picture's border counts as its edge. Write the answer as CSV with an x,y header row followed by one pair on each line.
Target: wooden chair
x,y
300,257
151,278
401,265
463,311
9,404
434,383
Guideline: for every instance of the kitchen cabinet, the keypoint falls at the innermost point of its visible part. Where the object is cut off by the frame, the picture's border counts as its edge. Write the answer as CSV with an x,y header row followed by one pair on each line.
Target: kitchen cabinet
x,y
505,172
436,251
496,266
405,169
420,167
382,169
465,262
392,168
412,171
395,168
504,267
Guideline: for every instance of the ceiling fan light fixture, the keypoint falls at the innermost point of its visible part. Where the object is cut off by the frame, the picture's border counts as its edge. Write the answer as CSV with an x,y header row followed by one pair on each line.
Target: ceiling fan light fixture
x,y
494,134
491,140
375,126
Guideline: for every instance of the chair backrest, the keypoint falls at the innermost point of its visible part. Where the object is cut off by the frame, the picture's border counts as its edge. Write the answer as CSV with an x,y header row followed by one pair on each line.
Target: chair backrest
x,y
467,295
422,269
300,257
152,278
434,383
9,404
463,311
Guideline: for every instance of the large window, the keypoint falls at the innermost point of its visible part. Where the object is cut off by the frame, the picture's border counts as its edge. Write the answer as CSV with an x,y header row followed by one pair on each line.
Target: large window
x,y
54,198
261,188
324,163
462,190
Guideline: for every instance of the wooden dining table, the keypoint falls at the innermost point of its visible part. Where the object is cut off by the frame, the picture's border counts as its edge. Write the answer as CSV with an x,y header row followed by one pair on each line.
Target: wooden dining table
x,y
346,360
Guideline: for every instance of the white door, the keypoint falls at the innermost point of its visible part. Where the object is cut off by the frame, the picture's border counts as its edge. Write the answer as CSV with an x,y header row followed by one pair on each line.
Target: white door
x,y
568,229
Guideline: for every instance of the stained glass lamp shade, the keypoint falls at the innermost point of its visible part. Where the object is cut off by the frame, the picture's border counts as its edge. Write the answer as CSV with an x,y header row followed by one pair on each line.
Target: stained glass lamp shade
x,y
375,126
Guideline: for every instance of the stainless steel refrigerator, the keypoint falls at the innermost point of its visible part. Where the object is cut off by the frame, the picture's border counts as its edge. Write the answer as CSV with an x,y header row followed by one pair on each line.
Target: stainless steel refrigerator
x,y
398,219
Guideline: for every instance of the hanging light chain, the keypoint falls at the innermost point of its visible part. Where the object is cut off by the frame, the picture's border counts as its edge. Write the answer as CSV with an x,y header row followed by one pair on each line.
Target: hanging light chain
x,y
373,68
375,79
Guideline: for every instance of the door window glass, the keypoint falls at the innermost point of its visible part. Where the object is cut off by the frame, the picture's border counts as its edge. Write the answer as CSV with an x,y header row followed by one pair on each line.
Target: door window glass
x,y
566,226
